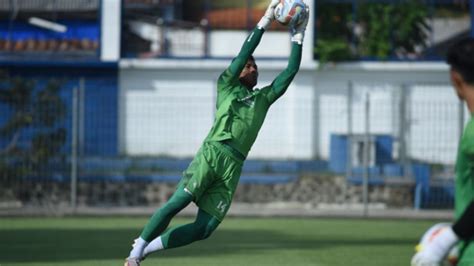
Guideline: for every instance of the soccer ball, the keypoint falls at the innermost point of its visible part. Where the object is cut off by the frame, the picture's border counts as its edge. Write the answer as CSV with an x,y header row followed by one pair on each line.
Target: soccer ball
x,y
290,12
452,258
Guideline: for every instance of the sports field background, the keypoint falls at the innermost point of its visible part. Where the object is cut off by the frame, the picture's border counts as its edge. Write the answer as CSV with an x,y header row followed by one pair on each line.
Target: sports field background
x,y
238,241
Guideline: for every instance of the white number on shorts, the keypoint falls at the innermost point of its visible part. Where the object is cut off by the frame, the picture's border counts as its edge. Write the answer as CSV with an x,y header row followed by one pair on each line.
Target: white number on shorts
x,y
221,206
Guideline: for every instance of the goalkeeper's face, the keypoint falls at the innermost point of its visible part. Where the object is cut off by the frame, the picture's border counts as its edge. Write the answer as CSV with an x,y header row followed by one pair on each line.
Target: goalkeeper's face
x,y
249,75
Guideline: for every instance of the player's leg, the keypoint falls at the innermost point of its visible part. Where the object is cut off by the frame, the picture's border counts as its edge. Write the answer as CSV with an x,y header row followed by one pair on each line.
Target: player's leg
x,y
213,204
160,220
162,217
200,229
186,234
195,182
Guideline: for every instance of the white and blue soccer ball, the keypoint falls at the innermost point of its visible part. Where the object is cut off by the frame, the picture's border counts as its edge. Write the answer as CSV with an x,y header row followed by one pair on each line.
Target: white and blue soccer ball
x,y
290,12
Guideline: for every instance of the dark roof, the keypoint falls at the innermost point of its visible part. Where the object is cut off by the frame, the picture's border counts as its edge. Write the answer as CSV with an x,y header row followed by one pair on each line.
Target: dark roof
x,y
49,5
441,48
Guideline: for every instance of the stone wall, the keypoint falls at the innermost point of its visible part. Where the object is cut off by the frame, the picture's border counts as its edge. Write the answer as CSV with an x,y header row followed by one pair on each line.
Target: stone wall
x,y
309,189
325,189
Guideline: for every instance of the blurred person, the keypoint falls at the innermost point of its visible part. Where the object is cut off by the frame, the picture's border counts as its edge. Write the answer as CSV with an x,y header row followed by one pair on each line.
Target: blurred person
x,y
42,45
52,45
212,177
86,44
63,45
95,45
5,45
8,45
74,44
460,57
19,46
30,44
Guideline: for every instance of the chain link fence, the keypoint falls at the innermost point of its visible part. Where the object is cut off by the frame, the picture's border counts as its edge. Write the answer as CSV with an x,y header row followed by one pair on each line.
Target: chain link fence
x,y
60,147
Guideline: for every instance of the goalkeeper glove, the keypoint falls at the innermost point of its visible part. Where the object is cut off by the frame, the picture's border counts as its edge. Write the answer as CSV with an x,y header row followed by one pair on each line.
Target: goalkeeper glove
x,y
269,15
297,31
435,245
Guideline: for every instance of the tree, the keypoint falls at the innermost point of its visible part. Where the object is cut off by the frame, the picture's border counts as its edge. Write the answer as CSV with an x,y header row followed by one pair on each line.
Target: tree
x,y
371,30
31,128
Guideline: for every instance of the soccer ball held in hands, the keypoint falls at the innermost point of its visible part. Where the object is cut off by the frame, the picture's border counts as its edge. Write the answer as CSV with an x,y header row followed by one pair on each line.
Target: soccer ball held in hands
x,y
290,12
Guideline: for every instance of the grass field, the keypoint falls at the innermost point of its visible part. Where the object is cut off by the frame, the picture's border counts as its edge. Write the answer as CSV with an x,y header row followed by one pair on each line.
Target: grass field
x,y
247,241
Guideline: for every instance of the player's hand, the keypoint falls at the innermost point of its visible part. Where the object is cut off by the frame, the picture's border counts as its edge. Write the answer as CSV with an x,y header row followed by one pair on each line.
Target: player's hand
x,y
269,15
435,244
297,31
424,259
270,12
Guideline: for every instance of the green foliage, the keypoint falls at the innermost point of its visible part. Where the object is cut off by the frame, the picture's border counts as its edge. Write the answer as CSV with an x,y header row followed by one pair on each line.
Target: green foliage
x,y
411,28
373,30
332,32
377,18
332,50
38,111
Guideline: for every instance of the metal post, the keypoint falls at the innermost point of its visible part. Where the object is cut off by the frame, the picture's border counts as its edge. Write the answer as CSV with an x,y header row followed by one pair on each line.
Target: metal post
x,y
207,27
315,132
77,139
402,152
350,93
80,116
365,181
75,114
471,4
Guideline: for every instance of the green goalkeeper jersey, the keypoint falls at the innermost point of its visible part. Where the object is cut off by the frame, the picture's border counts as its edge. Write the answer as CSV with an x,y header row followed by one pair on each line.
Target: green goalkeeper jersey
x,y
240,110
465,170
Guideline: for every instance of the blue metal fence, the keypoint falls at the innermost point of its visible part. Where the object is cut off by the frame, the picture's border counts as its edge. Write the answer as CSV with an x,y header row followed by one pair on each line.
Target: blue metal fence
x,y
100,111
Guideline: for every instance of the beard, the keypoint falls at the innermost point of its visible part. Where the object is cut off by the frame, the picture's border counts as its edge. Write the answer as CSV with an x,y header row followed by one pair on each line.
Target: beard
x,y
249,80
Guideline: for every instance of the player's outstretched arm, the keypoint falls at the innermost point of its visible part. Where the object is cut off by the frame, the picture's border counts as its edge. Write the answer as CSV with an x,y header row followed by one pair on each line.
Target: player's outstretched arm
x,y
283,80
231,74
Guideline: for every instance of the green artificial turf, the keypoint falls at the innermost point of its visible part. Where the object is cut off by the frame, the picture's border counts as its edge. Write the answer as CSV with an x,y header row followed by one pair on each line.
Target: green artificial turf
x,y
238,241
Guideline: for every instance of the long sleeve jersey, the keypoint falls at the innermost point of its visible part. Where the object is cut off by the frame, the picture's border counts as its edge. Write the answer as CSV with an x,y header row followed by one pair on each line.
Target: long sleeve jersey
x,y
464,190
241,111
465,170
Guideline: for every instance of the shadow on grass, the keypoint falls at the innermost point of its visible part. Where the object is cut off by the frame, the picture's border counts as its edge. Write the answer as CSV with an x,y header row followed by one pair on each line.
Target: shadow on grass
x,y
48,245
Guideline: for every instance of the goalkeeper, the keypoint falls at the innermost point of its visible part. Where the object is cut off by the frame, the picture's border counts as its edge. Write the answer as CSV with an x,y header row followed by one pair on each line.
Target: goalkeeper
x,y
461,59
213,175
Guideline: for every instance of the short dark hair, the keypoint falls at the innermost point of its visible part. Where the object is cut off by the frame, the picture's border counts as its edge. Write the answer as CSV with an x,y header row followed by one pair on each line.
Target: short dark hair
x,y
460,57
251,58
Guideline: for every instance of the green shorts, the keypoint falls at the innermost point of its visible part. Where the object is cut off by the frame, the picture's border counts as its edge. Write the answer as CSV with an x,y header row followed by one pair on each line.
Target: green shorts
x,y
212,178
